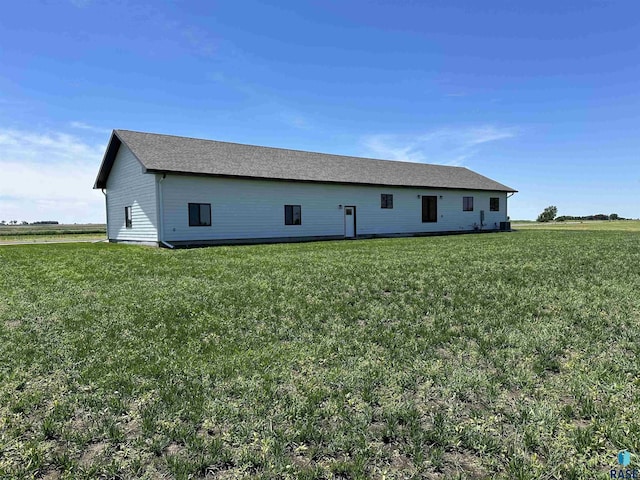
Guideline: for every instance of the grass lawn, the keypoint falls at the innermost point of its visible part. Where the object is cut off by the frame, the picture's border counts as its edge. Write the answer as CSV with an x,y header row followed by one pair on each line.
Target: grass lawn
x,y
511,355
65,237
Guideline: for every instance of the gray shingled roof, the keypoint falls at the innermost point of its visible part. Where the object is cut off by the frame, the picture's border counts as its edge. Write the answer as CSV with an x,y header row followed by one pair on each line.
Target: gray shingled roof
x,y
167,153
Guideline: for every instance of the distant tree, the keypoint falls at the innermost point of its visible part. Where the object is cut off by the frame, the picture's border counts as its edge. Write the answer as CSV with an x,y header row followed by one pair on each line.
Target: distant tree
x,y
3,222
614,216
24,222
13,222
548,214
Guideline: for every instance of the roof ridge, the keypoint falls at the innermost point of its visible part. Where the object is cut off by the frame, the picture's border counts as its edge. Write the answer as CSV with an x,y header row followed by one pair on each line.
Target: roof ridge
x,y
289,149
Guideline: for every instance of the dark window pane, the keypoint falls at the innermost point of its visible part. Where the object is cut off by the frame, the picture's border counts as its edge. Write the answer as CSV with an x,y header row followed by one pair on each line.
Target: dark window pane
x,y
494,204
194,214
205,214
288,215
297,215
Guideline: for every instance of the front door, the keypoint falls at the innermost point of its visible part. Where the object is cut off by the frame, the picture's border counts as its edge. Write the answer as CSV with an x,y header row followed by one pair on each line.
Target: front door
x,y
349,222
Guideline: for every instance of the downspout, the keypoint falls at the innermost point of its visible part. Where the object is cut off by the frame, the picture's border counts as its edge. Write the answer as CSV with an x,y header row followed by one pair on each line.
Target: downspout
x,y
106,207
161,214
507,204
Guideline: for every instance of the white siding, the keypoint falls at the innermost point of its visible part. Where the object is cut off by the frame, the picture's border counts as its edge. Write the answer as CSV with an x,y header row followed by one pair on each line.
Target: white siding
x,y
242,209
129,185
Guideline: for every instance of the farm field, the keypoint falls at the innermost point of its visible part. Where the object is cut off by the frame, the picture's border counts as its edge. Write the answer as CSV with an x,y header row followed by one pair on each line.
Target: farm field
x,y
625,225
508,355
51,233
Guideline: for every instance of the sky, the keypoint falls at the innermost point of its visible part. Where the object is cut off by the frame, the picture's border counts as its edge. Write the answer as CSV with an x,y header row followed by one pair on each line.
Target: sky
x,y
542,96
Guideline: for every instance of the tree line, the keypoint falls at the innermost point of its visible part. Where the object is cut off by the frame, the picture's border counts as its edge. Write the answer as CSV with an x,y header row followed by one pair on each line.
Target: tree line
x,y
16,222
549,215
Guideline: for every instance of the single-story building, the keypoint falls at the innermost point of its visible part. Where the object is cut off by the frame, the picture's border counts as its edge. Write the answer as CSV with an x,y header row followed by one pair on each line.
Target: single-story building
x,y
177,191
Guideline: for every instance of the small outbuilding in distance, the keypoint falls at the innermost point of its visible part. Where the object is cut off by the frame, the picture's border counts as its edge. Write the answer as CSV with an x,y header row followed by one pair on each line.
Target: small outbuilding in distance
x,y
178,191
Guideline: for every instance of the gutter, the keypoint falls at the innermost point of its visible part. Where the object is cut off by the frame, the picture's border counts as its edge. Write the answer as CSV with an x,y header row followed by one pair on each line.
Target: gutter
x,y
507,205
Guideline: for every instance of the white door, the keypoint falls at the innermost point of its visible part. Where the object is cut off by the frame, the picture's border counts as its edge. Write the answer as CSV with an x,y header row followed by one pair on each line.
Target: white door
x,y
349,222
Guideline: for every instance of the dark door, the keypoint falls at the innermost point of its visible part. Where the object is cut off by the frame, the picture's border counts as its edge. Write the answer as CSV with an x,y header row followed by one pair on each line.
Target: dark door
x,y
429,208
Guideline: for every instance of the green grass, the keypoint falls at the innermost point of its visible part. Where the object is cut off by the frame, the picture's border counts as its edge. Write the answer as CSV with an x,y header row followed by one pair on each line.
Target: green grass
x,y
65,237
499,355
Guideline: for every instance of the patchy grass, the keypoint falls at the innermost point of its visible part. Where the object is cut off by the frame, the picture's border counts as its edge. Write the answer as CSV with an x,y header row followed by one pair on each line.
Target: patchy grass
x,y
474,356
65,237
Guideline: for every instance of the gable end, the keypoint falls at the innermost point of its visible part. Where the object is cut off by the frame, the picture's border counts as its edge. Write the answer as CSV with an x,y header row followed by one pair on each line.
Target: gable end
x,y
109,158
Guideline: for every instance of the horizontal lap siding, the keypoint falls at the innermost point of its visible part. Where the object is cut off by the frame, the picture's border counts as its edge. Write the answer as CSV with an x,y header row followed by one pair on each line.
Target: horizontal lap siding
x,y
245,209
242,209
128,185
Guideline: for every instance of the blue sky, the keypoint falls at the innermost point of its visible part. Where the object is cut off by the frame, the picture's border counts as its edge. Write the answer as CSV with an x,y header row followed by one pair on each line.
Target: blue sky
x,y
543,96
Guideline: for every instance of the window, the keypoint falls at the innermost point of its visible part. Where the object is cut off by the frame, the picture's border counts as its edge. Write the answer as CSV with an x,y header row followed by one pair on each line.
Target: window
x,y
494,204
429,208
467,204
199,214
386,200
128,217
292,215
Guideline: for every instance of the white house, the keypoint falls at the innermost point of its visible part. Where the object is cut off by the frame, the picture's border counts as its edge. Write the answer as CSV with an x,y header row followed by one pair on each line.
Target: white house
x,y
177,191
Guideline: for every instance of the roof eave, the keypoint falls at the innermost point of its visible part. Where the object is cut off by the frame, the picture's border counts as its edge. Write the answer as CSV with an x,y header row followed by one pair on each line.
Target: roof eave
x,y
296,180
107,160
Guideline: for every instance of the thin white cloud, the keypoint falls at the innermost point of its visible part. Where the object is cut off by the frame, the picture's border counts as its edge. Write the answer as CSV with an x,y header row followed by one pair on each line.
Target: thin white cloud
x,y
485,134
295,120
286,115
448,146
201,41
190,36
90,128
49,177
80,3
